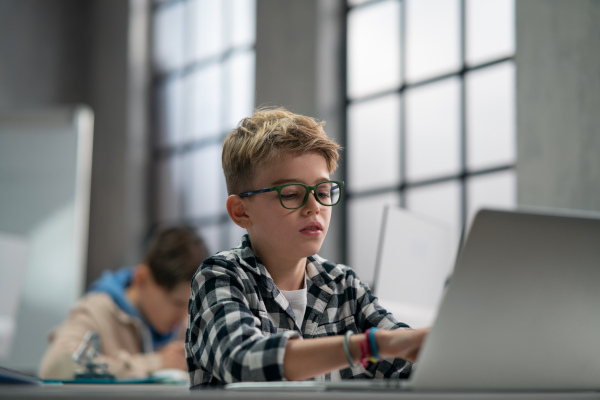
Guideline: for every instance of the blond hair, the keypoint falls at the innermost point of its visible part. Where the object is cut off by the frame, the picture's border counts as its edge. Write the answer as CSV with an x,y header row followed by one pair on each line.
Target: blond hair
x,y
267,134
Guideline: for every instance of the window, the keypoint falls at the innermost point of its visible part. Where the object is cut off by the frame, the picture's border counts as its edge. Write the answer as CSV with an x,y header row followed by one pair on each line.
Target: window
x,y
430,115
203,61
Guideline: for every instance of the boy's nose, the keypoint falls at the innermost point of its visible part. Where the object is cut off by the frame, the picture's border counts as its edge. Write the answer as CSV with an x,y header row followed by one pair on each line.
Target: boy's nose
x,y
312,204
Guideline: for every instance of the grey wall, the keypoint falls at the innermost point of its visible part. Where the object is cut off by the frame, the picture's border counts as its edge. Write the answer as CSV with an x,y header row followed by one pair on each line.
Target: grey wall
x,y
299,63
558,103
44,52
94,52
119,85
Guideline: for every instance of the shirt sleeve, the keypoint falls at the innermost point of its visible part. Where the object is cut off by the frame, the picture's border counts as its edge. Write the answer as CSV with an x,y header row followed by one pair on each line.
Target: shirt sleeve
x,y
58,364
224,337
371,314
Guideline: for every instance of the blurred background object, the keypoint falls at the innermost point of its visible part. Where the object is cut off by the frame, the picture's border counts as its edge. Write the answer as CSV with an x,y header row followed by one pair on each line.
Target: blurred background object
x,y
45,174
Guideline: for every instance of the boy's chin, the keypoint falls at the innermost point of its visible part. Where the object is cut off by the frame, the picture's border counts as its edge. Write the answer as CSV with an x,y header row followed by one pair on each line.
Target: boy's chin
x,y
312,250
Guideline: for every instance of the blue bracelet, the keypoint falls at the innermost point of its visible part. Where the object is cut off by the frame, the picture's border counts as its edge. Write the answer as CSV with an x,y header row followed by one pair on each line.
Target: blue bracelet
x,y
373,343
347,348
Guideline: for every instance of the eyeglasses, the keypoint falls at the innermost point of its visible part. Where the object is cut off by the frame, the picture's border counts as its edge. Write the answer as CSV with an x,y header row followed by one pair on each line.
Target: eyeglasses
x,y
295,195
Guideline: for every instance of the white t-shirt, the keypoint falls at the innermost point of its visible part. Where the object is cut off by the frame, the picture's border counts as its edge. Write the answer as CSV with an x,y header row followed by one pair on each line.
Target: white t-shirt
x,y
297,300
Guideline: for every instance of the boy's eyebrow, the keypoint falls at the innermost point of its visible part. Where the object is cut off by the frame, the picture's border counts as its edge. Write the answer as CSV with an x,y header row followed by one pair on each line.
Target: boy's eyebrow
x,y
295,180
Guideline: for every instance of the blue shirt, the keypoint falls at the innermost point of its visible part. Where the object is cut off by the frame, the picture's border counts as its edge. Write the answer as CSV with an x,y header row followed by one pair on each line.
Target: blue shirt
x,y
114,283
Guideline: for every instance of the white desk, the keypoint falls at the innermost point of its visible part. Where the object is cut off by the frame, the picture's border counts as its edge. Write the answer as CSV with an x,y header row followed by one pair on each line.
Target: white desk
x,y
149,392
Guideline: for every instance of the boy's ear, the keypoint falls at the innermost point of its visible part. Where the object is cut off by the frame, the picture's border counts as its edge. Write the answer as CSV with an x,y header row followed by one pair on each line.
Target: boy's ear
x,y
236,207
141,275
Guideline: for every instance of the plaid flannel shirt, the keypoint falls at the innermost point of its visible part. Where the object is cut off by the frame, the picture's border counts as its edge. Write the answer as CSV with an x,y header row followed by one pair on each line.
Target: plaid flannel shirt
x,y
239,322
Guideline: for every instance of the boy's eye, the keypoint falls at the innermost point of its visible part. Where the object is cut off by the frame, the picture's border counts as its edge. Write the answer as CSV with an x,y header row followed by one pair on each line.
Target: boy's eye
x,y
324,195
292,192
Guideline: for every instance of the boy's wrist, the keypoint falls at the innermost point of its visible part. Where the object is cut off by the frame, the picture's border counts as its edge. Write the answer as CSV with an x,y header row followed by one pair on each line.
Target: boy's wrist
x,y
382,338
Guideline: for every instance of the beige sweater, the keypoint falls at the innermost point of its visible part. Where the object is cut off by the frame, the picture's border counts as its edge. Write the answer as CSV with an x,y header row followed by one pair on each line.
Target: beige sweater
x,y
121,341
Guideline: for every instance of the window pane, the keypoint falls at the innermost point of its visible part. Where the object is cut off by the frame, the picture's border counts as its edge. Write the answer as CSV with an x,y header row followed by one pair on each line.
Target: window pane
x,y
364,223
432,38
433,130
239,88
241,17
203,103
374,143
497,190
169,190
356,2
168,37
169,115
205,29
490,30
374,48
204,183
491,116
440,201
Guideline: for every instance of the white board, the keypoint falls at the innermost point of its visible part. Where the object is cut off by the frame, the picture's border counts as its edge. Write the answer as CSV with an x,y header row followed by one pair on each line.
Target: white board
x,y
45,172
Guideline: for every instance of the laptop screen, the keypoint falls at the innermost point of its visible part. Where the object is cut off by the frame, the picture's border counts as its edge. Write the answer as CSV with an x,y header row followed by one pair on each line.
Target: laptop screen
x,y
413,263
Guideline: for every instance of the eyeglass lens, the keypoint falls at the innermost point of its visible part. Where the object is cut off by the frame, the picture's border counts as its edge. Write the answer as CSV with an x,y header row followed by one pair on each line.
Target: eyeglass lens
x,y
292,196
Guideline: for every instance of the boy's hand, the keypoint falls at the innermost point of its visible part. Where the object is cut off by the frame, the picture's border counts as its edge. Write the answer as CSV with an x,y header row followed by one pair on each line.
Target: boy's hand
x,y
400,343
173,355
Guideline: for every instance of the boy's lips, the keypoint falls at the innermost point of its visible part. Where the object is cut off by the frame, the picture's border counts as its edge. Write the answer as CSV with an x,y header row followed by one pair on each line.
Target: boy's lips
x,y
312,229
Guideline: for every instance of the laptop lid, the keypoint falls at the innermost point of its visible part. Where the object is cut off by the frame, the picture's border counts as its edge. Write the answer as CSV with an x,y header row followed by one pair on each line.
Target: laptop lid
x,y
522,310
414,261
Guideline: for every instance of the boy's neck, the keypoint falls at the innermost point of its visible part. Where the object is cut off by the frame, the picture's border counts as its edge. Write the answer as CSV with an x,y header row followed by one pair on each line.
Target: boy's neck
x,y
287,275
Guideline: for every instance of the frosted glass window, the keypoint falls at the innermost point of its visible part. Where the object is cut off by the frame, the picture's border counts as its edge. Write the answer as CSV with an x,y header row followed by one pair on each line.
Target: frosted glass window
x,y
373,146
170,112
440,201
432,38
212,238
365,216
490,95
203,102
433,130
490,30
242,22
497,190
168,37
205,185
205,29
356,2
374,48
239,87
169,199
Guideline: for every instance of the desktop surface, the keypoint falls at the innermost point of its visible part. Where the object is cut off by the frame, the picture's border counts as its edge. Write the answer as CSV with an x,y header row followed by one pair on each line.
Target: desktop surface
x,y
134,392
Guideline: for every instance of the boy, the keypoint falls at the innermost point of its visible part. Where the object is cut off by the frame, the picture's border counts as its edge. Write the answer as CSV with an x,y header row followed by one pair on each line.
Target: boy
x,y
138,312
251,305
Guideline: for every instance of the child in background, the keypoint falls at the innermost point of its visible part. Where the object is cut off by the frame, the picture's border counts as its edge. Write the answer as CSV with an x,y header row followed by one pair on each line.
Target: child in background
x,y
272,309
139,313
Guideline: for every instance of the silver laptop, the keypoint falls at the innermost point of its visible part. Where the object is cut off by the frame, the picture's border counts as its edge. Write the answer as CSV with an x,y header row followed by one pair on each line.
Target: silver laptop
x,y
522,311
